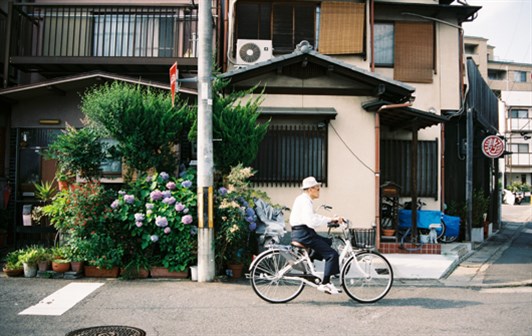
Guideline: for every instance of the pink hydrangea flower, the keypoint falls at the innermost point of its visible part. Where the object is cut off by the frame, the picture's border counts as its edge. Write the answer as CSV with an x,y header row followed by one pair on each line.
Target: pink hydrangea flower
x,y
187,219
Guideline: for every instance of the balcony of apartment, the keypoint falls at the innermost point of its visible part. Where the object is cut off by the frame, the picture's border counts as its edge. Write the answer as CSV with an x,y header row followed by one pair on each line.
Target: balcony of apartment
x,y
65,39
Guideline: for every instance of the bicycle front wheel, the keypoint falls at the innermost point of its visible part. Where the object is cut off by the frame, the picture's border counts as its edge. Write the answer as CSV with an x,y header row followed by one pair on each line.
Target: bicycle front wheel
x,y
367,277
269,284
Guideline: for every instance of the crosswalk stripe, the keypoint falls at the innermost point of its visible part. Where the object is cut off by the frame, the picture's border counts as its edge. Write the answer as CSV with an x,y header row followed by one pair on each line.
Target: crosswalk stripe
x,y
62,300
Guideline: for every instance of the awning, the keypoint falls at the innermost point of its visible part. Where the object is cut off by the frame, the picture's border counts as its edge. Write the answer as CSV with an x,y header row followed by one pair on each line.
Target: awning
x,y
403,117
328,113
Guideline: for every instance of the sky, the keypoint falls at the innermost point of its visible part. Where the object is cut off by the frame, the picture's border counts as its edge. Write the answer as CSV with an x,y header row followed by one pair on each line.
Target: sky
x,y
507,24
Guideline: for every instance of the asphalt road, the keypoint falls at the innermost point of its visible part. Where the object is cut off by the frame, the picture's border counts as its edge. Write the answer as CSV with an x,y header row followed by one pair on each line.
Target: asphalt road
x,y
182,307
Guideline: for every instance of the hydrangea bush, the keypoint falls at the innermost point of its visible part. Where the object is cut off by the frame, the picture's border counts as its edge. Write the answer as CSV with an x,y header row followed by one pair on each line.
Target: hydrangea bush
x,y
159,213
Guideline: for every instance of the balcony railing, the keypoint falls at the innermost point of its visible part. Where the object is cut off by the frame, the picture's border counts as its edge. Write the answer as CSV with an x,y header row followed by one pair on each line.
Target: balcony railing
x,y
136,31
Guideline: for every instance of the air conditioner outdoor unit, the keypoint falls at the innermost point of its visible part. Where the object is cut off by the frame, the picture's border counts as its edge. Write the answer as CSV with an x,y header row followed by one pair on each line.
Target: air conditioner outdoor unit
x,y
253,51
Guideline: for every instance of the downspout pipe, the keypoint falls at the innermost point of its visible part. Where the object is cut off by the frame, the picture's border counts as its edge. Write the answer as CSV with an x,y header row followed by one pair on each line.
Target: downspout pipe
x,y
378,166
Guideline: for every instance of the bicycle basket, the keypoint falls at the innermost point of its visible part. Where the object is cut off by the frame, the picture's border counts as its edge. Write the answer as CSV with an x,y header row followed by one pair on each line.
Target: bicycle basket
x,y
363,238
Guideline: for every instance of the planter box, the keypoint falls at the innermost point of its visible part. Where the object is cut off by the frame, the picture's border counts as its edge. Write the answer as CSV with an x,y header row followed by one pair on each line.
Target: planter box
x,y
95,272
477,235
162,272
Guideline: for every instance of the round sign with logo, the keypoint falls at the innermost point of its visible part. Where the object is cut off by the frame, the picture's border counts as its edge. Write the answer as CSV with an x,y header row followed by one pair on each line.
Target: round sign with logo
x,y
493,146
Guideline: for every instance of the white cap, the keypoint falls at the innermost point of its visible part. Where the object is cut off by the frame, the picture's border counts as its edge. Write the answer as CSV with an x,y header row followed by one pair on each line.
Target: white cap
x,y
310,182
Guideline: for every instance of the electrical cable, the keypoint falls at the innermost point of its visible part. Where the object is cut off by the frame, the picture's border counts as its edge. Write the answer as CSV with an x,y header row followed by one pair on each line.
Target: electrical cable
x,y
351,151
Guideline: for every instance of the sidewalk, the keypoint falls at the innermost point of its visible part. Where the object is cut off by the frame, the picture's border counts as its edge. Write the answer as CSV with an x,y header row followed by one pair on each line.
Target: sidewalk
x,y
460,264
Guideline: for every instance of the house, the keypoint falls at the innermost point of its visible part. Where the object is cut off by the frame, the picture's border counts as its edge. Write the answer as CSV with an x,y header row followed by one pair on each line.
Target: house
x,y
512,83
52,51
358,91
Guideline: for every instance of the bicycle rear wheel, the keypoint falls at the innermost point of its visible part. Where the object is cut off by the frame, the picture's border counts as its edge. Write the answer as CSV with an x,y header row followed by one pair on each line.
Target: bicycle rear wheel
x,y
268,284
367,277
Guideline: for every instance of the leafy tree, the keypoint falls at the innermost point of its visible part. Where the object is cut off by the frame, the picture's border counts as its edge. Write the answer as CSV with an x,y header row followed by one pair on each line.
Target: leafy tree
x,y
234,123
78,152
143,122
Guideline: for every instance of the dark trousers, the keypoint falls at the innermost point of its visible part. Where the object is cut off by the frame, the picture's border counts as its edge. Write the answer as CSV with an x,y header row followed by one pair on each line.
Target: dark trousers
x,y
322,246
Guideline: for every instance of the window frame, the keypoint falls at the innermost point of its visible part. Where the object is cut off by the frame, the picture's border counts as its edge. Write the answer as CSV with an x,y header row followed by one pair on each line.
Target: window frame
x,y
284,157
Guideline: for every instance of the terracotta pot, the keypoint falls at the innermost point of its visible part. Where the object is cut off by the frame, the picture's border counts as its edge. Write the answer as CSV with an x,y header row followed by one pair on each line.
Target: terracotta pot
x,y
236,270
162,272
14,273
62,185
60,267
388,232
77,266
95,272
44,265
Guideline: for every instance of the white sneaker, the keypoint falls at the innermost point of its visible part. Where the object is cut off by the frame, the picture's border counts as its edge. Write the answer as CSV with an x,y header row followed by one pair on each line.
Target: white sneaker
x,y
329,289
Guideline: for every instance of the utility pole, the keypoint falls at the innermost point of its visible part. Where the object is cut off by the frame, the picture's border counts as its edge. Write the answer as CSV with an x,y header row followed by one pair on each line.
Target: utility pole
x,y
205,155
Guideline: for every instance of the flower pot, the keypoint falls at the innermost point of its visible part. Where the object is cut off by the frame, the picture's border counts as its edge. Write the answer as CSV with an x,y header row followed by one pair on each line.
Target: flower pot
x,y
30,270
14,272
44,265
194,273
236,270
95,272
477,235
60,267
388,232
163,272
77,266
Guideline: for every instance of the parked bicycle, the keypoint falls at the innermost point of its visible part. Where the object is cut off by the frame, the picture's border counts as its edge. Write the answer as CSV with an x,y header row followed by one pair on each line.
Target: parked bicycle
x,y
446,233
280,274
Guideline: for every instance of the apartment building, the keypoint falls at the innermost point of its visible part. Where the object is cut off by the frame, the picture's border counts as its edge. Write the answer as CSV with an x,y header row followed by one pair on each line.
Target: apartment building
x,y
512,83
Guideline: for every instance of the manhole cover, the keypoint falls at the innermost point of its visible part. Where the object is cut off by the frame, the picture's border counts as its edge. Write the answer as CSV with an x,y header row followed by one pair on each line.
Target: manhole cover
x,y
108,331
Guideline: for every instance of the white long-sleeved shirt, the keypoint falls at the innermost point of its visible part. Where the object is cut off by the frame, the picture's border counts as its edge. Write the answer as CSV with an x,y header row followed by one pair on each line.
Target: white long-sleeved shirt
x,y
302,213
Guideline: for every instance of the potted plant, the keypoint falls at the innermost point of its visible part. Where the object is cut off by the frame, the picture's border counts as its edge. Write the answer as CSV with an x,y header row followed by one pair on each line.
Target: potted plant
x,y
13,266
29,261
44,259
480,208
77,253
60,261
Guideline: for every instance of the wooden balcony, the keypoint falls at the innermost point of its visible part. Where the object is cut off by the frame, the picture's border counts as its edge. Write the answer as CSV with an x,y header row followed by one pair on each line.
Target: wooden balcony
x,y
64,39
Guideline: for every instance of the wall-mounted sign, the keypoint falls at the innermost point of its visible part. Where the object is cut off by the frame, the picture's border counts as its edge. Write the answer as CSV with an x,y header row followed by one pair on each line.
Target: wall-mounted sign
x,y
493,146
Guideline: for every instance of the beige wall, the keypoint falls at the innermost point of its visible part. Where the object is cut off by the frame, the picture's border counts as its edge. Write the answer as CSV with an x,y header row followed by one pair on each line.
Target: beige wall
x,y
351,187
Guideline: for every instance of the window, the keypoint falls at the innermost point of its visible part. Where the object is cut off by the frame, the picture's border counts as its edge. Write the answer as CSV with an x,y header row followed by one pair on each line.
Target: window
x,y
520,76
285,23
518,114
519,148
396,167
341,28
288,154
110,166
132,35
408,47
496,74
471,49
384,42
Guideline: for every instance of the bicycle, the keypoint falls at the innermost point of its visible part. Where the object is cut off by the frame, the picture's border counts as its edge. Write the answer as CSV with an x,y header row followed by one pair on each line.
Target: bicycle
x,y
279,274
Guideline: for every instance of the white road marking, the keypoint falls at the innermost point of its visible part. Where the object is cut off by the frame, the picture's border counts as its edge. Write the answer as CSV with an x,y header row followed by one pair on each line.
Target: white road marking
x,y
62,300
507,290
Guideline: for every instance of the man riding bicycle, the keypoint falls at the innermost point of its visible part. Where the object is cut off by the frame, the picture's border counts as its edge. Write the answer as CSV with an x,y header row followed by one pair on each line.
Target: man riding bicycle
x,y
304,220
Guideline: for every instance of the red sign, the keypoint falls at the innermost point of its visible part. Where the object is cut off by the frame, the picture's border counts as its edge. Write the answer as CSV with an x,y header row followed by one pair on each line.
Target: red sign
x,y
173,81
493,146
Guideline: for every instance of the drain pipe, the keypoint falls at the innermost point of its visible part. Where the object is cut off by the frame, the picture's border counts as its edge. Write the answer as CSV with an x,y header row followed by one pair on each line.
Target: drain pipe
x,y
378,166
